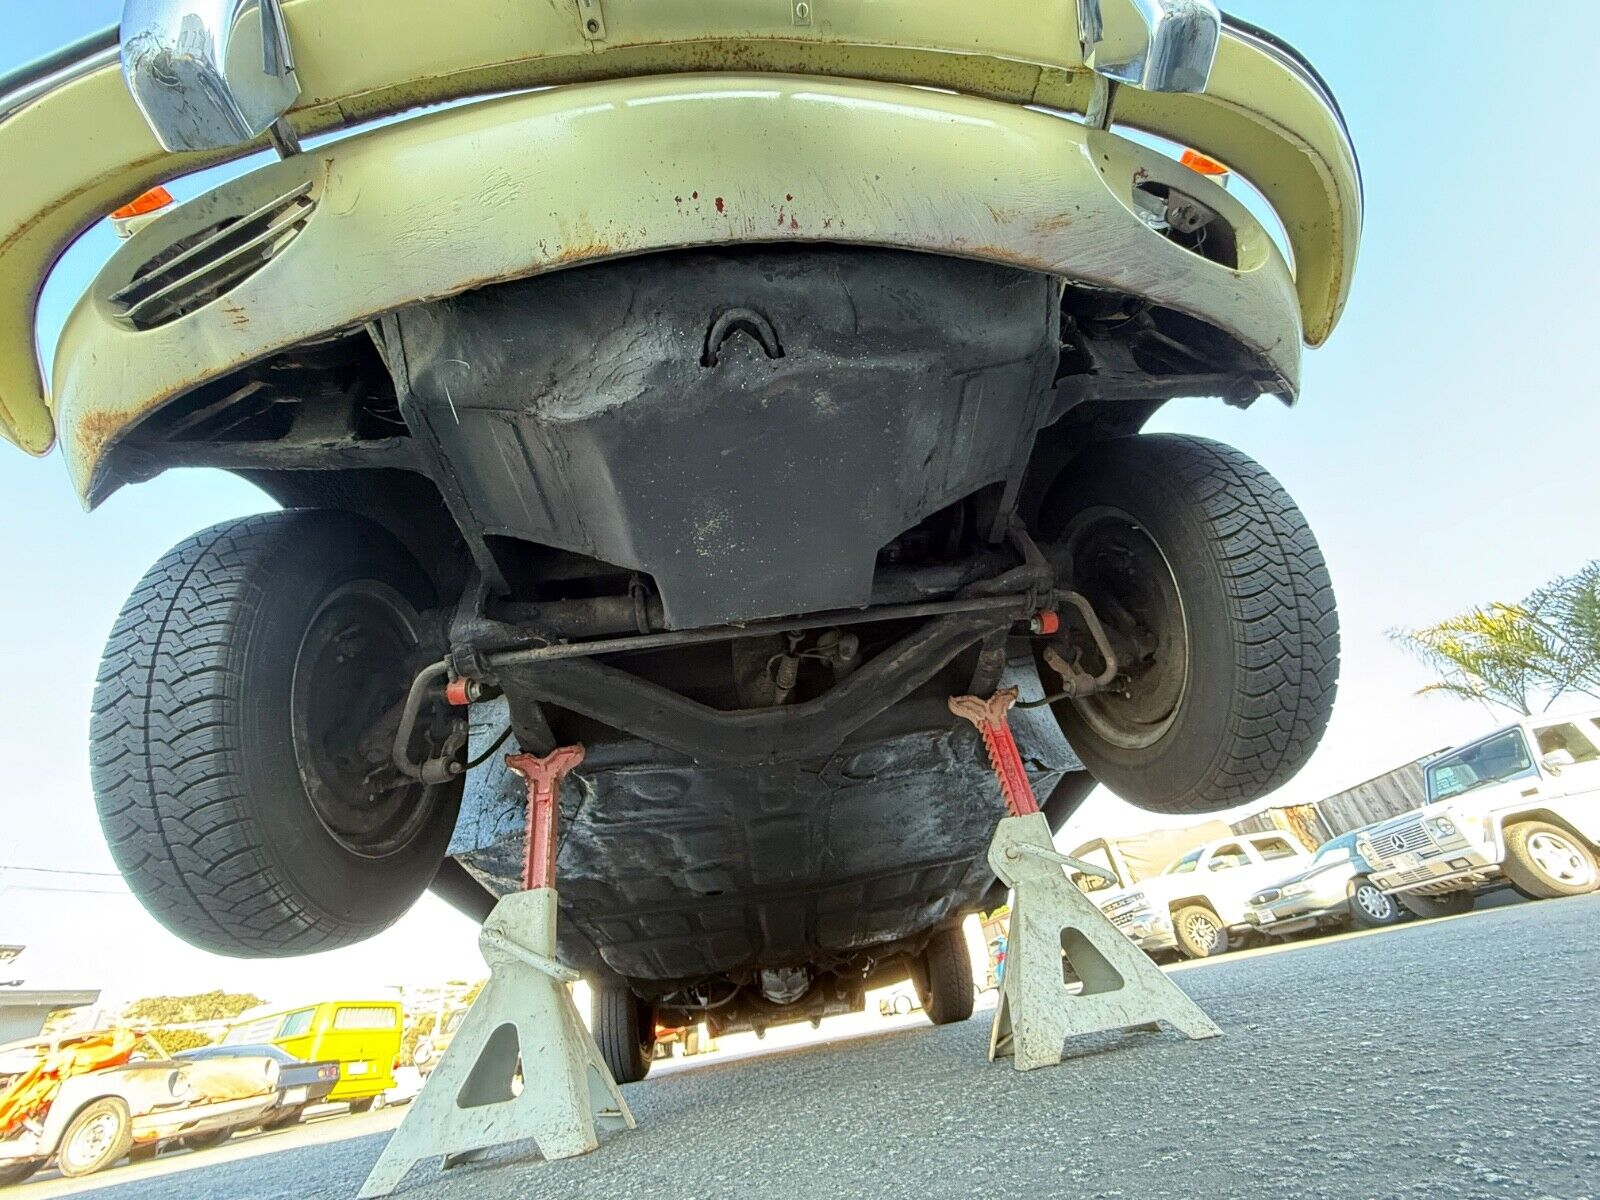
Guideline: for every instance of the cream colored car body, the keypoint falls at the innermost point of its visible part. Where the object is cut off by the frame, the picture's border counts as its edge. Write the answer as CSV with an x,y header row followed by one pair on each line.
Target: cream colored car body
x,y
824,132
166,1099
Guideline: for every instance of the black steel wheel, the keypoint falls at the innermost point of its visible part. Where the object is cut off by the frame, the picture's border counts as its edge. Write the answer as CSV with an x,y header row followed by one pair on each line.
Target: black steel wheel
x,y
1216,603
241,735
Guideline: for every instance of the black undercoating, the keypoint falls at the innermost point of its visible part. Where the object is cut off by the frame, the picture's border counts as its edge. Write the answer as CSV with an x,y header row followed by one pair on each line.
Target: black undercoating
x,y
670,871
748,428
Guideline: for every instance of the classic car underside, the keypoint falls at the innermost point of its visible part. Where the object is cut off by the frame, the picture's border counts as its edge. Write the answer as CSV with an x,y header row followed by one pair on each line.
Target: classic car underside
x,y
739,522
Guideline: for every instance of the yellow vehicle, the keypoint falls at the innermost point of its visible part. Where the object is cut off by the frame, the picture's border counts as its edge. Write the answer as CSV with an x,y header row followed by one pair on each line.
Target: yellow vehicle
x,y
724,385
362,1036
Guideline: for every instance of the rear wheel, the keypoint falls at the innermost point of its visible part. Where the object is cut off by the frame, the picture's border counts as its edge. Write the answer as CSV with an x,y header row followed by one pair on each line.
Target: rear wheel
x,y
240,741
1200,933
1370,907
625,1031
19,1172
97,1137
1218,607
209,1140
943,977
1544,861
285,1119
1450,904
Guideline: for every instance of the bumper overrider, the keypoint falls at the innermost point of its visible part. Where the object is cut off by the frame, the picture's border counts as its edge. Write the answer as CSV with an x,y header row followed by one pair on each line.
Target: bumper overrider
x,y
804,133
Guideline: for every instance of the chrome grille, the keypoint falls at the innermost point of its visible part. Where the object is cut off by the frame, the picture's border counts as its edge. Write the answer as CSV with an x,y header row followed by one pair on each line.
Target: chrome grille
x,y
1414,876
1402,839
196,270
1123,919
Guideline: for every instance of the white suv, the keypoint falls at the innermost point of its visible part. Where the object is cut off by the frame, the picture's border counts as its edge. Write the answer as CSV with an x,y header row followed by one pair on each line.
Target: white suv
x,y
1521,805
1195,902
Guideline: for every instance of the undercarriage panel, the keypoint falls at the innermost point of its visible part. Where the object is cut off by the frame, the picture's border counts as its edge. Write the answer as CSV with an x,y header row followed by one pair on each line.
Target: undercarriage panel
x,y
671,871
748,428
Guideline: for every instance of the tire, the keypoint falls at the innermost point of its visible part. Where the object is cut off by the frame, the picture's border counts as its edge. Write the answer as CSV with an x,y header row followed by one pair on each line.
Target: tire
x,y
625,1031
1370,908
944,977
209,1140
99,1135
1219,607
363,1105
1451,904
286,1119
1189,925
1545,861
237,829
19,1172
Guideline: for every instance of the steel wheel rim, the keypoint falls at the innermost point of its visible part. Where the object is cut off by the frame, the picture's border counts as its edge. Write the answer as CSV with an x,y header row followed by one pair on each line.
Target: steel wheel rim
x,y
362,638
1560,859
1373,902
92,1140
1125,575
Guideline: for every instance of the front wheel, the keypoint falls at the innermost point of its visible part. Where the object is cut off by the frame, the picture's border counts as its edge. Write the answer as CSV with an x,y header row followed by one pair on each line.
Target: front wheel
x,y
242,731
1217,606
19,1172
1544,861
1370,907
1449,904
1199,931
97,1137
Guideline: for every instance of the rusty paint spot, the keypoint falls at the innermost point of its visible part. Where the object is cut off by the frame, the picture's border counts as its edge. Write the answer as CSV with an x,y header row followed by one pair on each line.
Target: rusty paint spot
x,y
95,430
1007,255
720,207
694,195
786,196
1054,223
237,317
588,250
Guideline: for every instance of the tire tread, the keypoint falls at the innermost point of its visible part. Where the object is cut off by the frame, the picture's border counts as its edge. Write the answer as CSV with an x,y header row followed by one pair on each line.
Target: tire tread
x,y
165,758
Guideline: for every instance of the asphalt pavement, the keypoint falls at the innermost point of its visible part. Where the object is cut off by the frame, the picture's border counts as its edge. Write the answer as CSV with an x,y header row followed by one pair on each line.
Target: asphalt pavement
x,y
1455,1058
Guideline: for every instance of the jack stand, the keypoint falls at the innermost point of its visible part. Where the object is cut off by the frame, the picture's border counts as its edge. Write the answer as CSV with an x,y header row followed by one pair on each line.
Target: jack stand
x,y
523,1026
1052,920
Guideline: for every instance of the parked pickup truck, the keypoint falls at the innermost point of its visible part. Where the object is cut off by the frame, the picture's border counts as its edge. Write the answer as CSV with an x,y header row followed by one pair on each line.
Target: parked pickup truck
x,y
1520,806
1196,902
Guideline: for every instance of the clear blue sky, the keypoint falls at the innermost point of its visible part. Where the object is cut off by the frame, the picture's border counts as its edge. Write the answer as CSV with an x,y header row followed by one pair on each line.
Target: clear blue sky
x,y
1444,447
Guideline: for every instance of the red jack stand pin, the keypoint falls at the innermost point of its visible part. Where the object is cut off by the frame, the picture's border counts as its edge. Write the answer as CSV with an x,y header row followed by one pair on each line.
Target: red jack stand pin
x,y
544,776
990,718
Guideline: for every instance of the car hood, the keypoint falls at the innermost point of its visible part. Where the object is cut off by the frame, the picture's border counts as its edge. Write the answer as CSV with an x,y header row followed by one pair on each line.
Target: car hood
x,y
1309,873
